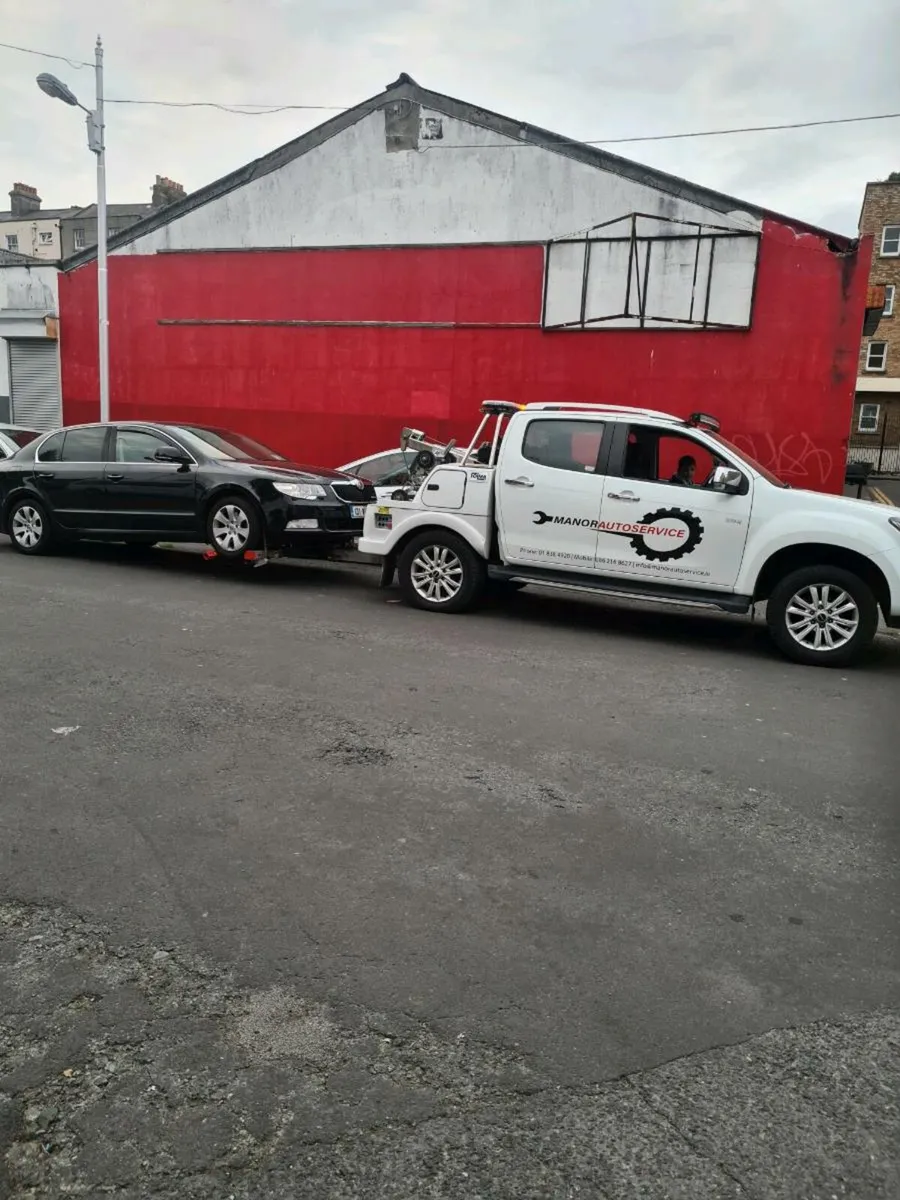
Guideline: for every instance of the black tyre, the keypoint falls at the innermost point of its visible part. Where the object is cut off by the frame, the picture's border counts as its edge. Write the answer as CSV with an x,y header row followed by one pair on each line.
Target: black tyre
x,y
234,526
28,524
822,616
441,572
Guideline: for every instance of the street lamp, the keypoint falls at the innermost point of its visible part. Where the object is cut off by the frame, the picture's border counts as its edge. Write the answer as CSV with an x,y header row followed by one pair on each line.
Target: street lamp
x,y
54,87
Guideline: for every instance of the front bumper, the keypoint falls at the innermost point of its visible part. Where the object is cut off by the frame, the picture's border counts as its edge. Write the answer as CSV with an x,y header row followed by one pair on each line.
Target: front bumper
x,y
322,524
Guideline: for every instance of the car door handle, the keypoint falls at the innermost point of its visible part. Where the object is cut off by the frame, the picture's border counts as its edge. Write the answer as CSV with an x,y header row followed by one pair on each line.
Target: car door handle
x,y
115,475
44,474
627,496
520,482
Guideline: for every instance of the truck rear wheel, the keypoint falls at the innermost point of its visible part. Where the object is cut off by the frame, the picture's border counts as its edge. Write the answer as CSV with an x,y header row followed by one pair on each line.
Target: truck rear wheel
x,y
822,616
441,572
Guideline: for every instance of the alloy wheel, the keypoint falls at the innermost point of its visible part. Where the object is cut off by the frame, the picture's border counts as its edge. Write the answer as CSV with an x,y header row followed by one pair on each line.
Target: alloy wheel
x,y
27,526
436,574
231,528
822,617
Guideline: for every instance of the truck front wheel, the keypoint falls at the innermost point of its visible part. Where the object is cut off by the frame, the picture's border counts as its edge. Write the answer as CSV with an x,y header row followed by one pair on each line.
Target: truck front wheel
x,y
441,572
822,616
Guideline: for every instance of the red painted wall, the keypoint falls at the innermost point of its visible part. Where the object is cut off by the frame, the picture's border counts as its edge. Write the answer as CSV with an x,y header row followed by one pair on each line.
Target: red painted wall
x,y
783,390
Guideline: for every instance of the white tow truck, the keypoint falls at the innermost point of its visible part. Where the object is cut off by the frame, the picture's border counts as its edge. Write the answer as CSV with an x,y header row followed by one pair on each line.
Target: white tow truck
x,y
637,503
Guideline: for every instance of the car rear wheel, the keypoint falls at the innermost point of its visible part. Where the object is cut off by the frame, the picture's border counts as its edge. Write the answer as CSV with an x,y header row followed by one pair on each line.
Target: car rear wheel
x,y
822,616
29,528
234,526
441,572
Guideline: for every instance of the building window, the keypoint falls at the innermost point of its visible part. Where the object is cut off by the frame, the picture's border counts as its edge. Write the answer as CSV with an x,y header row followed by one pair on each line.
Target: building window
x,y
12,241
888,310
876,356
868,418
46,239
890,241
80,238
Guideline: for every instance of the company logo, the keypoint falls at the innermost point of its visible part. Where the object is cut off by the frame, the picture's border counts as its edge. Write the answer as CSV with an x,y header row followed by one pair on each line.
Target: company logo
x,y
663,536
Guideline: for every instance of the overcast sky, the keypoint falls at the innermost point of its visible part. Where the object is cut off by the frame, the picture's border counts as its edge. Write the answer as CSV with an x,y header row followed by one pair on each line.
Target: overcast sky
x,y
584,68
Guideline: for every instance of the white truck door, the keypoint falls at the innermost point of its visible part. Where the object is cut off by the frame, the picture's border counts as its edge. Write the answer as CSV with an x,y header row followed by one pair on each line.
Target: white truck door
x,y
549,493
658,520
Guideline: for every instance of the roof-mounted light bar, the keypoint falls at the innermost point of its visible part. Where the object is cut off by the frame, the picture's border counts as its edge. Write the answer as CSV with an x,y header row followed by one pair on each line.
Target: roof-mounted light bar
x,y
499,408
703,421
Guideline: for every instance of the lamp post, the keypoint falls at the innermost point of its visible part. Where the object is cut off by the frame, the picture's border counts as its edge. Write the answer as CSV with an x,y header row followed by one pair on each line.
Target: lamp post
x,y
96,143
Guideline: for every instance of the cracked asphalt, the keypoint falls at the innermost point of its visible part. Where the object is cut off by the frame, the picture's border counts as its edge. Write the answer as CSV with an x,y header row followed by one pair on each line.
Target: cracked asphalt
x,y
305,894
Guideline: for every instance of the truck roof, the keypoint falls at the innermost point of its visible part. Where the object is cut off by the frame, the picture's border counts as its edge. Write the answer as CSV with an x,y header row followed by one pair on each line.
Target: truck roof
x,y
604,408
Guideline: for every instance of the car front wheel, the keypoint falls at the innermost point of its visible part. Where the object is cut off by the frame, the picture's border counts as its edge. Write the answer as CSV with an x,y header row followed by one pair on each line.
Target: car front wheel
x,y
439,571
822,616
29,527
234,526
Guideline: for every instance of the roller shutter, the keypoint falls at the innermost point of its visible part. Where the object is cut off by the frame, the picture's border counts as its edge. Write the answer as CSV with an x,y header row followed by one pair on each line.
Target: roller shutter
x,y
34,383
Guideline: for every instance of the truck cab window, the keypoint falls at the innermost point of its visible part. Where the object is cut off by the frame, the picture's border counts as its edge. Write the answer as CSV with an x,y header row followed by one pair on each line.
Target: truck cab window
x,y
564,445
658,456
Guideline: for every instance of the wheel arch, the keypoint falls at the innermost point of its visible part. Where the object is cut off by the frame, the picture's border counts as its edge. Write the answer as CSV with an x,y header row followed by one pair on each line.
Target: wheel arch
x,y
461,529
23,492
813,554
228,489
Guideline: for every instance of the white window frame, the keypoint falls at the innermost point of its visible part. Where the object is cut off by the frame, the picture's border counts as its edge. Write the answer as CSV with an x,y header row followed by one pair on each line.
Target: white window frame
x,y
889,296
12,242
865,415
894,232
46,239
80,237
871,346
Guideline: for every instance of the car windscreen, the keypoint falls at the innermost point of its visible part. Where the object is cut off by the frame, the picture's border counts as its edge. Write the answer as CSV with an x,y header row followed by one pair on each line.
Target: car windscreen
x,y
764,471
222,443
21,437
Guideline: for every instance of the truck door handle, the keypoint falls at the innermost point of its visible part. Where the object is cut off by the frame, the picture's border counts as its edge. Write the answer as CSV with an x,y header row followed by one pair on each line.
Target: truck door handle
x,y
520,482
44,474
115,475
627,496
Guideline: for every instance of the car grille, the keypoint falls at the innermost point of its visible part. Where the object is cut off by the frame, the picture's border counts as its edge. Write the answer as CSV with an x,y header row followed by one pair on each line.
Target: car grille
x,y
354,495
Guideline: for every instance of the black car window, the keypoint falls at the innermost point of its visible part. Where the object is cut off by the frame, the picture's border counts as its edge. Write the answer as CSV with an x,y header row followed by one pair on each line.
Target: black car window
x,y
51,450
138,445
84,445
566,445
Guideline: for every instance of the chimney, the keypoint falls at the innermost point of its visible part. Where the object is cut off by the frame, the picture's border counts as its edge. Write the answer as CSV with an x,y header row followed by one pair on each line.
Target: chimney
x,y
165,191
23,200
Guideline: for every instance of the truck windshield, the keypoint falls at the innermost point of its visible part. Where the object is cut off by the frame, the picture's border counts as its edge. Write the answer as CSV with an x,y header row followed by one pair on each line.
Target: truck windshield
x,y
757,466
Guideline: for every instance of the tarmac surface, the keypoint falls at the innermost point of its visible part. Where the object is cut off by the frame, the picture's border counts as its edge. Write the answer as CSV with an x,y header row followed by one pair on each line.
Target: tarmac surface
x,y
306,894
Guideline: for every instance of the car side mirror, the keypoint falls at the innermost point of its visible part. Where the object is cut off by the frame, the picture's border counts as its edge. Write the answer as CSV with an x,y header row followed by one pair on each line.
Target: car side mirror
x,y
171,454
728,480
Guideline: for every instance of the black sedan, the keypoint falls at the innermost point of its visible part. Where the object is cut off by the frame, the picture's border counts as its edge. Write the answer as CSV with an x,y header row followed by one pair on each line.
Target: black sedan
x,y
143,483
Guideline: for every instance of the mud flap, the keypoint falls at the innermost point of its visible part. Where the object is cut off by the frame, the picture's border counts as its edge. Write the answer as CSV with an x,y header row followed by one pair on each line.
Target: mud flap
x,y
388,571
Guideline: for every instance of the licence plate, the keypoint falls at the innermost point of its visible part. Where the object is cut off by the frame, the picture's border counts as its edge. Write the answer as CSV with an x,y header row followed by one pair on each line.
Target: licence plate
x,y
358,512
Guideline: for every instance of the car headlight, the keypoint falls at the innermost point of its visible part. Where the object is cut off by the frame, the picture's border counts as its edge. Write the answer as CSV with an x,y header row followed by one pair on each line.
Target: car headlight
x,y
301,491
895,521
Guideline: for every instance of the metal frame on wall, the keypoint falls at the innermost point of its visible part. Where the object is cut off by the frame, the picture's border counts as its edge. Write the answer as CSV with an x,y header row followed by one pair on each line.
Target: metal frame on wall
x,y
698,315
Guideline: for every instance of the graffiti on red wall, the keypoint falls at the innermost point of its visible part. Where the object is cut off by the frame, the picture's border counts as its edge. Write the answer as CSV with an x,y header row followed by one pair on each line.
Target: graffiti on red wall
x,y
795,456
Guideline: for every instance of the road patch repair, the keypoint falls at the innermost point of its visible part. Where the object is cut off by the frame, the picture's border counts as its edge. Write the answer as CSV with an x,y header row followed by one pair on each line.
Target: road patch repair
x,y
147,1071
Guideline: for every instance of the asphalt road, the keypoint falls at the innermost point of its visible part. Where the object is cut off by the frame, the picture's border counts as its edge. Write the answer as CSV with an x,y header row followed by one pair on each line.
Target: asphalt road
x,y
889,488
306,894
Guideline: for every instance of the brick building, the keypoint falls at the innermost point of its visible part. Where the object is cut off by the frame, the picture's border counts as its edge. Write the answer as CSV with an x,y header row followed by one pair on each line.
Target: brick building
x,y
875,434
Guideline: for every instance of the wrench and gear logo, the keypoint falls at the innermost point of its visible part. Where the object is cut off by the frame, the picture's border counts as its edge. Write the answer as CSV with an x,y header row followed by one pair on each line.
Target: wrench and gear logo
x,y
664,535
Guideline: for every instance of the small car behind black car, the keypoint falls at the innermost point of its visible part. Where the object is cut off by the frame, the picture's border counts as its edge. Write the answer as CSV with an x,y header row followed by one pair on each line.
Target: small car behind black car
x,y
143,483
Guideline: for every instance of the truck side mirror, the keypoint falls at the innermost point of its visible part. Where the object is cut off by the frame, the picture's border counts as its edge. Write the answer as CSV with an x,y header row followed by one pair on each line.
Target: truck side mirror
x,y
728,480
